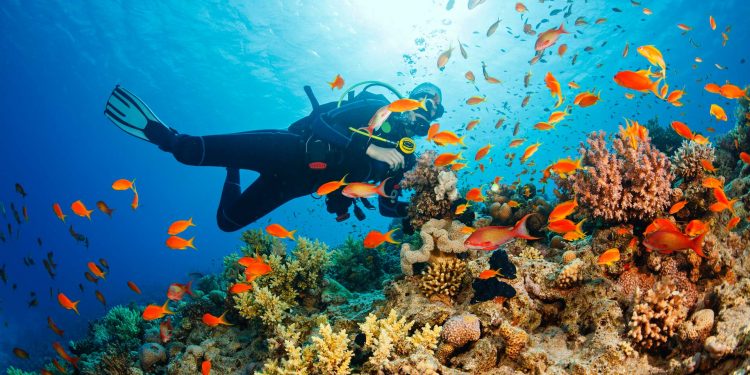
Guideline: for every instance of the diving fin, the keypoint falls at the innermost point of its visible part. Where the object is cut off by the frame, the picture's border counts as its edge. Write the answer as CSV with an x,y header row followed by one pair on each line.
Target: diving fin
x,y
133,116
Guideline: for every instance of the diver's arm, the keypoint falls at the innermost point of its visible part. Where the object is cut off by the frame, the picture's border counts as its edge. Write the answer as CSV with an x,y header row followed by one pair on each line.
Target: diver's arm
x,y
333,126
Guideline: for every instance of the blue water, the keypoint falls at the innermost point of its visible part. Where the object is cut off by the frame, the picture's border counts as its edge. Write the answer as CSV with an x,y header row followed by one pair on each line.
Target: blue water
x,y
229,66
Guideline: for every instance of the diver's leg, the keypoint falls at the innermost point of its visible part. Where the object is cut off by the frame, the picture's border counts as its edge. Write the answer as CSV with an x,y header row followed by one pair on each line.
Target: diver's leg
x,y
265,151
259,199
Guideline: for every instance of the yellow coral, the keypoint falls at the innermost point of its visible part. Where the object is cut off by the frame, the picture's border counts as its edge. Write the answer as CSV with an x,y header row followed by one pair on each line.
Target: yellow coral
x,y
443,279
656,315
426,338
295,362
515,339
261,303
389,338
530,252
333,355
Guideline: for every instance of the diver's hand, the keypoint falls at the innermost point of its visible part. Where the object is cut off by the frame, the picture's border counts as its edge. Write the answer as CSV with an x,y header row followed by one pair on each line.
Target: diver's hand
x,y
390,156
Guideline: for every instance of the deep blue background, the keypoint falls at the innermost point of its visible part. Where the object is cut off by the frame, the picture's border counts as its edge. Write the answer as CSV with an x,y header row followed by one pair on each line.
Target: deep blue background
x,y
228,66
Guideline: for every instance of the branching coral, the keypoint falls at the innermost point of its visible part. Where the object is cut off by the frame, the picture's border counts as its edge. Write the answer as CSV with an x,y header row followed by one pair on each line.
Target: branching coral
x,y
622,186
293,277
360,269
440,238
443,279
389,338
686,161
656,316
434,190
328,353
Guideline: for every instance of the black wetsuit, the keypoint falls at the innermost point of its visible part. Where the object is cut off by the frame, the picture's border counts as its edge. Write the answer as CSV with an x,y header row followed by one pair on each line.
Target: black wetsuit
x,y
281,158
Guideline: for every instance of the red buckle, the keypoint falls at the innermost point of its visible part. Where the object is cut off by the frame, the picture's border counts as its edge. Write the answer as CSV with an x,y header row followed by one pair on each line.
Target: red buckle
x,y
318,165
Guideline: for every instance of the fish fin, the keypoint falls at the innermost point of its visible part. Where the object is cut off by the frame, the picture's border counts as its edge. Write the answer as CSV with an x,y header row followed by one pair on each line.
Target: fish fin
x,y
75,307
189,289
190,222
190,243
165,308
291,235
389,238
520,230
579,225
562,30
460,141
697,245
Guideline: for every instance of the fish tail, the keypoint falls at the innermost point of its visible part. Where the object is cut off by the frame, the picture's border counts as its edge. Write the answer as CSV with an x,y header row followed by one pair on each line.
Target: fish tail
x,y
562,29
730,206
343,179
697,245
381,188
580,225
190,243
132,185
655,87
389,238
190,222
422,104
461,141
223,320
75,307
74,361
63,218
291,235
520,230
165,308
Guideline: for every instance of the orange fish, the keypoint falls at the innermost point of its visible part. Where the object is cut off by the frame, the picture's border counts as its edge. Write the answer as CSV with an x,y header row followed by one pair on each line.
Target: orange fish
x,y
365,190
135,203
565,226
586,99
256,270
213,321
134,287
176,291
695,227
562,210
517,142
375,238
64,355
101,298
239,288
745,157
544,126
549,38
730,91
80,209
647,11
660,223
707,165
565,167
179,243
520,8
492,237
561,50
66,303
684,27
634,81
461,208
206,367
475,195
331,186
474,100
95,270
472,124
682,129
723,203
499,123
104,208
711,182
447,137
699,139
153,312
445,159
733,222
431,132
600,21
554,88
277,230
58,366
457,166
54,327
123,184
556,117
58,212
667,241
20,353
675,96
573,85
165,330
712,22
513,204
482,152
470,76
337,83
406,104
486,274
444,57
712,88
718,112
677,207
529,152
179,226
609,257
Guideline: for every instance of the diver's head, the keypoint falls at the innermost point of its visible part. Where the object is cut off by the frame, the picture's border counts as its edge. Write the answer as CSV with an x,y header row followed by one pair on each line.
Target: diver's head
x,y
421,118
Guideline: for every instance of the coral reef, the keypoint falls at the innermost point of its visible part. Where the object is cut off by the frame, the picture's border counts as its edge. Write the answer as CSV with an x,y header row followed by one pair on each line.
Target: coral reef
x,y
623,186
359,269
434,190
656,316
686,161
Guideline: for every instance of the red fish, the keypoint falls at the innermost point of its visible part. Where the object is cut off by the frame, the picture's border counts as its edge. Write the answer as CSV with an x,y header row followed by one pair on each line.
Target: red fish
x,y
178,243
176,291
562,210
153,312
733,222
609,257
123,184
54,327
179,226
482,152
134,287
364,190
206,367
337,83
695,227
549,38
492,237
213,321
64,355
677,207
58,212
165,330
240,288
95,270
634,81
66,303
375,238
667,241
80,209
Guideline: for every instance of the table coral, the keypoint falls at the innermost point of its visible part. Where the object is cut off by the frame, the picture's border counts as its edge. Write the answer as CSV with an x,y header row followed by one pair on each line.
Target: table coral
x,y
656,316
625,185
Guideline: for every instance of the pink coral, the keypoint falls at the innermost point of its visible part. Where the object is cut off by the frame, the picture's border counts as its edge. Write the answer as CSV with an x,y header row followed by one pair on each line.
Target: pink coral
x,y
625,185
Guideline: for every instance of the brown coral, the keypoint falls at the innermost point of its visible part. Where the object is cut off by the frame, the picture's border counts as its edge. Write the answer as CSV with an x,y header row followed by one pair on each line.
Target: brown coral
x,y
686,161
443,279
625,185
570,275
656,316
434,190
515,339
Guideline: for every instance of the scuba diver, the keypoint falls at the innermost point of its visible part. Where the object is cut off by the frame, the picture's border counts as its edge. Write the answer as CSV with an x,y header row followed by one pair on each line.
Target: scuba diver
x,y
328,144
